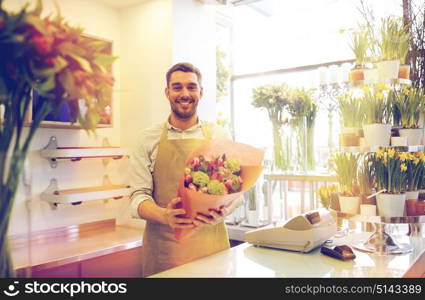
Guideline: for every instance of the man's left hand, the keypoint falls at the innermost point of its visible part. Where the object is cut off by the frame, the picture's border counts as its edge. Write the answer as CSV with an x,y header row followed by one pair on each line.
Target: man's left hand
x,y
212,219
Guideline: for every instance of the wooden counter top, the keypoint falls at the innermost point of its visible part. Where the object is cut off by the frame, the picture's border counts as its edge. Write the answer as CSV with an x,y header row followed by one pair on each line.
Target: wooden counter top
x,y
56,247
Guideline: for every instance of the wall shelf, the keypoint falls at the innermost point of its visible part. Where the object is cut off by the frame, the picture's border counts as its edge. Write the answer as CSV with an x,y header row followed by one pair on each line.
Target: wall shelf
x,y
54,196
105,152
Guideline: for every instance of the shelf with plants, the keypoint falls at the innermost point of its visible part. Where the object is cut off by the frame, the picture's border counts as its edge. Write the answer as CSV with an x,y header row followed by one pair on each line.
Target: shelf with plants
x,y
55,153
55,196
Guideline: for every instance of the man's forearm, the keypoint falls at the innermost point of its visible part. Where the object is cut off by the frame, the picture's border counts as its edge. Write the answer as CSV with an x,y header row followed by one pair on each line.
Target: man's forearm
x,y
148,210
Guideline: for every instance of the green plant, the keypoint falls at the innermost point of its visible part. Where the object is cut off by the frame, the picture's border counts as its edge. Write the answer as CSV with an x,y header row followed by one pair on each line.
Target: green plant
x,y
390,169
345,165
416,166
275,99
375,105
366,176
350,110
394,39
359,43
325,192
55,60
407,106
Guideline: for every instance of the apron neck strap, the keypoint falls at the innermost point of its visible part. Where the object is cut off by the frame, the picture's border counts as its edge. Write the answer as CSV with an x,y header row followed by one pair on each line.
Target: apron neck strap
x,y
204,127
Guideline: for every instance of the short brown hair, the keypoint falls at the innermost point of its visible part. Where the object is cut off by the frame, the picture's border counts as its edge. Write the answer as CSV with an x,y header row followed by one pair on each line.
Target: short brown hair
x,y
184,67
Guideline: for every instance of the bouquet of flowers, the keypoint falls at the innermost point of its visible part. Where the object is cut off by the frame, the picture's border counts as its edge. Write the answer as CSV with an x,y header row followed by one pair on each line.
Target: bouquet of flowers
x,y
217,177
216,173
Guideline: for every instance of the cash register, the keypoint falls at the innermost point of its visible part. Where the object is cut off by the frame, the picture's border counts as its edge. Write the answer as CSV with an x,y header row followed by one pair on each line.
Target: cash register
x,y
302,233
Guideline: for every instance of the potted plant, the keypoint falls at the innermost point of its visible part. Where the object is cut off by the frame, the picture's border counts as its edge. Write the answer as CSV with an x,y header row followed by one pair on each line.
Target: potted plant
x,y
416,166
274,98
351,113
345,165
54,59
377,112
366,183
390,169
393,45
407,105
359,44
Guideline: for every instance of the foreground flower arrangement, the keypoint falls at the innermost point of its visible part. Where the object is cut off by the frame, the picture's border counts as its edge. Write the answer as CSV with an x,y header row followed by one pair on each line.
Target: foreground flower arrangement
x,y
55,60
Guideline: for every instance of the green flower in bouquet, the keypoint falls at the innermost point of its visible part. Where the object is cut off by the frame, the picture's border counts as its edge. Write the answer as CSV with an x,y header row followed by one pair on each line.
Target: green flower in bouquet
x,y
391,170
216,187
375,104
407,103
350,110
54,59
345,165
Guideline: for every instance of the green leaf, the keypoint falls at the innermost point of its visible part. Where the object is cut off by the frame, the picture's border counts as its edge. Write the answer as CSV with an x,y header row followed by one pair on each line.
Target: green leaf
x,y
68,83
47,85
36,22
104,60
68,48
84,64
38,8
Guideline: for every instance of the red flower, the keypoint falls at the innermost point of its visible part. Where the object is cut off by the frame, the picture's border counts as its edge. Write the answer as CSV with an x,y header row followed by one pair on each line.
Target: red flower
x,y
49,61
42,44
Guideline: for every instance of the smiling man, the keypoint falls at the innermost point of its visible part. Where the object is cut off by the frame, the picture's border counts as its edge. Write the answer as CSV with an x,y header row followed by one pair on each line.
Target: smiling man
x,y
158,163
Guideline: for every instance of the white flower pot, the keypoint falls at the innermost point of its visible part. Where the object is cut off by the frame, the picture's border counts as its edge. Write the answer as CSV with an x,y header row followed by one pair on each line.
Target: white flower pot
x,y
388,69
349,205
399,141
414,135
368,209
413,195
371,75
391,205
377,134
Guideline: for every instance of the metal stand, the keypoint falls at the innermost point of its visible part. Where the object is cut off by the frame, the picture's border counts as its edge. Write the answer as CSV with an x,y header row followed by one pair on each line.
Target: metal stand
x,y
381,242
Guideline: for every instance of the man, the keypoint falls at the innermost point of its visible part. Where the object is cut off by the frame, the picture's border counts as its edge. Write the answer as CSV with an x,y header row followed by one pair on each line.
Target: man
x,y
158,164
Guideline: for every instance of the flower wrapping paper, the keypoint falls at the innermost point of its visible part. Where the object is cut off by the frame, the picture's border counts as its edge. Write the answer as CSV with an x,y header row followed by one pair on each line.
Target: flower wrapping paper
x,y
193,202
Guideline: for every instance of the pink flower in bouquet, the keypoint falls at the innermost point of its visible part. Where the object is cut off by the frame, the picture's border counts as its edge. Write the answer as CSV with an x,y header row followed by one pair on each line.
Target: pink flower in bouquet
x,y
220,176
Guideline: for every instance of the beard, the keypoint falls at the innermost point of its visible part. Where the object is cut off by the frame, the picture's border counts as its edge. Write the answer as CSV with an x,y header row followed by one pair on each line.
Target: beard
x,y
183,114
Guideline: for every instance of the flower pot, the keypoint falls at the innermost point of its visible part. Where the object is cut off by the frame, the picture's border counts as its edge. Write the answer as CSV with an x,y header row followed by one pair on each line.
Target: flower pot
x,y
399,141
371,75
411,199
404,72
368,210
414,135
388,69
349,140
420,208
349,205
377,134
391,205
356,75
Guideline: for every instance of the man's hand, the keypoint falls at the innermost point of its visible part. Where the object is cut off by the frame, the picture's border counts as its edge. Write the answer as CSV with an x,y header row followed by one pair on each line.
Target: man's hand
x,y
214,217
171,216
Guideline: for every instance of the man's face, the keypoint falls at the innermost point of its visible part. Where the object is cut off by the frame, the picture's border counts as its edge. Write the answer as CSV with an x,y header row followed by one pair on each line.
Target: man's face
x,y
184,93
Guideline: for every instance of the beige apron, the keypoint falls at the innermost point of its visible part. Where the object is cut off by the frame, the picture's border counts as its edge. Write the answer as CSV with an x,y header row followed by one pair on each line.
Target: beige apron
x,y
160,250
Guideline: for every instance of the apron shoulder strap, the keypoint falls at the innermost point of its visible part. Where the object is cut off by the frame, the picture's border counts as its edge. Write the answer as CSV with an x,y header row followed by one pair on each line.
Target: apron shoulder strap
x,y
206,129
164,133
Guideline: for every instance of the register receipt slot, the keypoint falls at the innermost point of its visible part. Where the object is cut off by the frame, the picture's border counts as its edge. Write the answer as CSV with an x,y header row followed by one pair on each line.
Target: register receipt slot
x,y
302,233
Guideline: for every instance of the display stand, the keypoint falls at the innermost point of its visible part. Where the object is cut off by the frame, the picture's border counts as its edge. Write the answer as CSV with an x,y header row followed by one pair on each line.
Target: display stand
x,y
380,241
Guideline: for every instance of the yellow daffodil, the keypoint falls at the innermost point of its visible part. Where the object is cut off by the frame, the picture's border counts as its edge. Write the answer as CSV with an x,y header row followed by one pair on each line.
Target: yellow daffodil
x,y
391,153
380,153
381,86
366,89
404,156
416,161
403,167
379,96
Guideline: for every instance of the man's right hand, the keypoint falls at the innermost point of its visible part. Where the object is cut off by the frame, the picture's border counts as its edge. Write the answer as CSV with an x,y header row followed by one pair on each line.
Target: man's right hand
x,y
171,215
